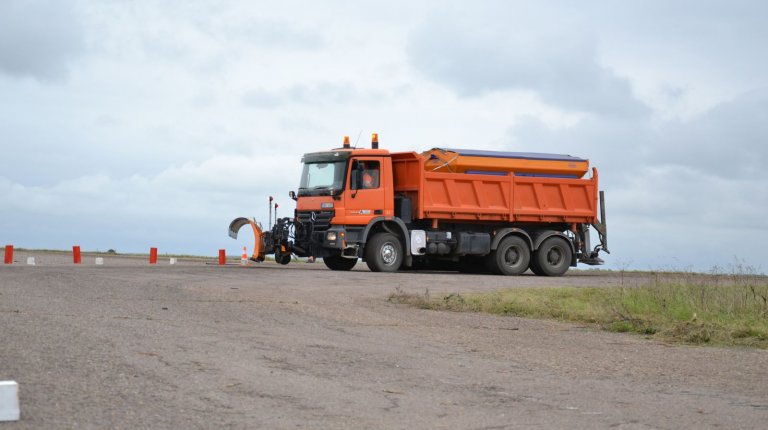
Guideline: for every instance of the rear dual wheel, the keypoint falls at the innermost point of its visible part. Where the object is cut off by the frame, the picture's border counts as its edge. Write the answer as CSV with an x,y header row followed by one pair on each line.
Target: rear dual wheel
x,y
553,258
511,257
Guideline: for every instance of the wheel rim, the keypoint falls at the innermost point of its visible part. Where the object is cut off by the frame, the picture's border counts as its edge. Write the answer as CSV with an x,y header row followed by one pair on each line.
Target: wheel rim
x,y
555,256
512,256
388,254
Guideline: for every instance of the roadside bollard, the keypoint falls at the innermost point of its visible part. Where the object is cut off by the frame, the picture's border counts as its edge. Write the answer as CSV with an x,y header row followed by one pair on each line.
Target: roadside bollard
x,y
8,254
244,258
222,257
76,258
152,255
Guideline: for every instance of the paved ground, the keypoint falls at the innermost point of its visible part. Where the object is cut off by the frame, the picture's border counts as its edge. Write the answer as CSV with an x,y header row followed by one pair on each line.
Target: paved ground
x,y
127,345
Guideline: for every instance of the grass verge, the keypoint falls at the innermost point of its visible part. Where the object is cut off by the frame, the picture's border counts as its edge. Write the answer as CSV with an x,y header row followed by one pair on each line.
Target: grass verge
x,y
717,309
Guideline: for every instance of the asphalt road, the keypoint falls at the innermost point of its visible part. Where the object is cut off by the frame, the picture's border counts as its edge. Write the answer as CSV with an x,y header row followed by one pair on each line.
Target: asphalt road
x,y
128,345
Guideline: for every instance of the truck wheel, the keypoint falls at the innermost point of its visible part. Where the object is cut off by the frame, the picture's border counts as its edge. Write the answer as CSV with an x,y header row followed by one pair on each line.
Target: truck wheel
x,y
282,258
337,262
553,258
511,257
384,253
535,266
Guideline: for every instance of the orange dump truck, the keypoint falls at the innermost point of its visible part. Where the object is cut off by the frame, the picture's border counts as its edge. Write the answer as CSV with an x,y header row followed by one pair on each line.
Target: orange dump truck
x,y
471,210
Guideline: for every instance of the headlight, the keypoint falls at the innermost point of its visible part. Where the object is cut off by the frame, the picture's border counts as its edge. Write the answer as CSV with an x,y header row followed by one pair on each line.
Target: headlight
x,y
326,205
331,235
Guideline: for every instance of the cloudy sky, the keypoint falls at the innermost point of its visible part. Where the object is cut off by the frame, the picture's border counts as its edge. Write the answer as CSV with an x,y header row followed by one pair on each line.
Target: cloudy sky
x,y
130,124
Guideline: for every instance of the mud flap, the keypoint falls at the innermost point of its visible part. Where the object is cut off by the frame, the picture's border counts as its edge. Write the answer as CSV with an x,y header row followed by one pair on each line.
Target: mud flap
x,y
259,246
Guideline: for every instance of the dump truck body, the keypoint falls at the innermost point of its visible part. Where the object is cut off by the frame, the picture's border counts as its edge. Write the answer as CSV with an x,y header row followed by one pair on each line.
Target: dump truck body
x,y
506,196
467,209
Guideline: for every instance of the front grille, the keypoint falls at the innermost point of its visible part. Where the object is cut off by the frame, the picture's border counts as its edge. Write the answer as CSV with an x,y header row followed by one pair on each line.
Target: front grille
x,y
321,223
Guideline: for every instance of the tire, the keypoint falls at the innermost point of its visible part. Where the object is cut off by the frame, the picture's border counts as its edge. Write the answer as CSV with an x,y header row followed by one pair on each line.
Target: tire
x,y
553,258
535,266
511,257
282,258
337,262
384,253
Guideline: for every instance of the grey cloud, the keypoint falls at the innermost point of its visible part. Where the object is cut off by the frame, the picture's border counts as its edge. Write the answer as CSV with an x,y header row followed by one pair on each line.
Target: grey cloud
x,y
262,99
613,145
673,92
708,35
729,141
323,92
513,49
278,35
315,94
39,38
708,170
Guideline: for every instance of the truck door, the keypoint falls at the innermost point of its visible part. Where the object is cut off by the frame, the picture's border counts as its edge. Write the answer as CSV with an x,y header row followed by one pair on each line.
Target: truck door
x,y
365,199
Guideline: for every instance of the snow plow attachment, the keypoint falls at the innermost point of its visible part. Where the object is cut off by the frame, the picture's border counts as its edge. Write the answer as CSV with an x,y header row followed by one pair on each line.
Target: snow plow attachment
x,y
259,246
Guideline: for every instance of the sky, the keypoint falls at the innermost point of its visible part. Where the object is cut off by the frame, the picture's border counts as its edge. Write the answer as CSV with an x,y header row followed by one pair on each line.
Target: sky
x,y
131,124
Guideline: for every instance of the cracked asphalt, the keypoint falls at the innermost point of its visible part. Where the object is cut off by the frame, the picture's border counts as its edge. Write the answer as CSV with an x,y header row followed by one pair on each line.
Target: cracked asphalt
x,y
128,345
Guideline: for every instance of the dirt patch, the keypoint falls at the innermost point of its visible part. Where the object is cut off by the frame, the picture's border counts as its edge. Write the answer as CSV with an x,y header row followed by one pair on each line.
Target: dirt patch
x,y
197,346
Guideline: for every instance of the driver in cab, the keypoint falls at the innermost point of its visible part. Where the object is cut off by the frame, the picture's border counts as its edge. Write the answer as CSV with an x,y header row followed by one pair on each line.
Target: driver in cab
x,y
370,176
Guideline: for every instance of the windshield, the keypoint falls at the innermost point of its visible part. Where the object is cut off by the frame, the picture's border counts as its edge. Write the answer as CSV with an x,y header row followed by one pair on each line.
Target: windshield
x,y
325,178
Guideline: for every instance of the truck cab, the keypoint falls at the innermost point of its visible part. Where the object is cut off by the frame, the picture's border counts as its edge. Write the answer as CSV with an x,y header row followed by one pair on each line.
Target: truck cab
x,y
340,193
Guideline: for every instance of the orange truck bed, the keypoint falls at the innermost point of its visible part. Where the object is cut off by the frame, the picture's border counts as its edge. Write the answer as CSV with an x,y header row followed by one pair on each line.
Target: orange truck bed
x,y
495,194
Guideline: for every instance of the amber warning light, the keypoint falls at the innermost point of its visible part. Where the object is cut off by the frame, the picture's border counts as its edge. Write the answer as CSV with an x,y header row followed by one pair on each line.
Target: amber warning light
x,y
346,142
375,141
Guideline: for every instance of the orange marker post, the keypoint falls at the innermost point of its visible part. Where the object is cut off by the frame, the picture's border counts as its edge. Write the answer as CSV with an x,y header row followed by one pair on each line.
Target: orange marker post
x,y
244,257
76,258
8,254
222,257
152,255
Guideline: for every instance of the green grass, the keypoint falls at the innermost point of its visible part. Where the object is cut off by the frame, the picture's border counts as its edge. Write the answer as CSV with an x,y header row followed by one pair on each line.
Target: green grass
x,y
687,308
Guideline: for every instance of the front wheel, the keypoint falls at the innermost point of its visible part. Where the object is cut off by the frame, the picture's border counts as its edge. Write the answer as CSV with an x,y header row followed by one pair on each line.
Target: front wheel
x,y
337,262
384,253
282,257
553,258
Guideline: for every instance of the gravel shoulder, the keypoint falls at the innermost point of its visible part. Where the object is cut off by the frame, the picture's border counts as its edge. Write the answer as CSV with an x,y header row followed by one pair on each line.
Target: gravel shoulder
x,y
128,345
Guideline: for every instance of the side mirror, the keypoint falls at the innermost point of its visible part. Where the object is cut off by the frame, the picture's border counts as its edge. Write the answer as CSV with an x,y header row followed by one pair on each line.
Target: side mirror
x,y
292,194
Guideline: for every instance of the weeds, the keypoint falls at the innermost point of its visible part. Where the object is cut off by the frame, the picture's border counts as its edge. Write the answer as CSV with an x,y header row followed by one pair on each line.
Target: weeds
x,y
716,308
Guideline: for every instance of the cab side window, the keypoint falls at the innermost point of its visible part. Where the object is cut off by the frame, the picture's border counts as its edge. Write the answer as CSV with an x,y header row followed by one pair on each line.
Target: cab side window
x,y
364,175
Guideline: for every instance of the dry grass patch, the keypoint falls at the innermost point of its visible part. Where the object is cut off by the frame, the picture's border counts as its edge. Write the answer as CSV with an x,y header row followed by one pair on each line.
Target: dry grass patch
x,y
720,309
